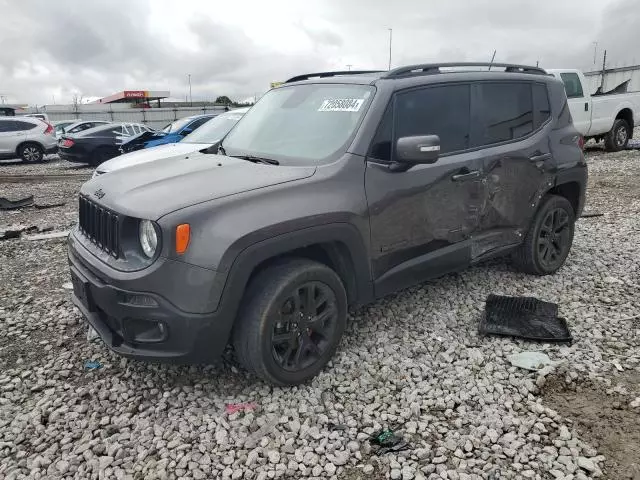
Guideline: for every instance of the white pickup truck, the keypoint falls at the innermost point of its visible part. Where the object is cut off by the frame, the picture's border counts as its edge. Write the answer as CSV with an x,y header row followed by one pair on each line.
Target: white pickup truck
x,y
611,116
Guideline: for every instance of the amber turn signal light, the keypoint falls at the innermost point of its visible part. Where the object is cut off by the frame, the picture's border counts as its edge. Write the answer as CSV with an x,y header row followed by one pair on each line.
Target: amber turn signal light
x,y
183,234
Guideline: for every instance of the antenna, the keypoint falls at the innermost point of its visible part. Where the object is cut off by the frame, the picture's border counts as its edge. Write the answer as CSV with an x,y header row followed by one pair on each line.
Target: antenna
x,y
493,57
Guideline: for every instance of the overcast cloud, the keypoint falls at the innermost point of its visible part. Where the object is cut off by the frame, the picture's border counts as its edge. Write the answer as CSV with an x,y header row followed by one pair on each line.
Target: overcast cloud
x,y
95,48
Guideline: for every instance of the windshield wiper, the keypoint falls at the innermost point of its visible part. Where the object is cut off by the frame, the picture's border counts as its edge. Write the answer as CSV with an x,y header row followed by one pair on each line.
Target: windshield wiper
x,y
254,159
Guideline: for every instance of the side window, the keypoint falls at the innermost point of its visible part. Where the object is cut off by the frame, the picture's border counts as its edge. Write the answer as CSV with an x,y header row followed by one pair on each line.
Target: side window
x,y
22,126
541,104
442,111
381,145
198,123
5,126
506,110
572,85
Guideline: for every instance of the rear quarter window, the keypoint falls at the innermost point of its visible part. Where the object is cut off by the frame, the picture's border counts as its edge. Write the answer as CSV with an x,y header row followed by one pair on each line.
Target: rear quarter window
x,y
506,111
541,104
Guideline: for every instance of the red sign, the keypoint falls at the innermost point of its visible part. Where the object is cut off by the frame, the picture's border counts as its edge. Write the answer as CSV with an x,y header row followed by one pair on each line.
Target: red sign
x,y
134,94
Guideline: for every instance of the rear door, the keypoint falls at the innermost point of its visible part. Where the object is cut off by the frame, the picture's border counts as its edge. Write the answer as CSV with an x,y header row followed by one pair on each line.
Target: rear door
x,y
514,120
579,103
422,219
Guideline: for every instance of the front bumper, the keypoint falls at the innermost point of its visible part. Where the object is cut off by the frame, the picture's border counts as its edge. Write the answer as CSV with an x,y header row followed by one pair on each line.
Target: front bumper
x,y
139,324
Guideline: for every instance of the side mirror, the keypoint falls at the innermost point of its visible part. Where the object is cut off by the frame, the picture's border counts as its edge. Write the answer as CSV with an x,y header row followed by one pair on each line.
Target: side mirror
x,y
418,149
185,131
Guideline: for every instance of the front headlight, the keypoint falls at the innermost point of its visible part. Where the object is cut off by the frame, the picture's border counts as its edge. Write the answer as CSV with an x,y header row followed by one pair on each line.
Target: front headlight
x,y
148,238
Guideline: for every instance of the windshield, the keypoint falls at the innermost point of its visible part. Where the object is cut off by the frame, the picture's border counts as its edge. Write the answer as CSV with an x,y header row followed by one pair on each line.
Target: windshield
x,y
177,125
214,129
302,123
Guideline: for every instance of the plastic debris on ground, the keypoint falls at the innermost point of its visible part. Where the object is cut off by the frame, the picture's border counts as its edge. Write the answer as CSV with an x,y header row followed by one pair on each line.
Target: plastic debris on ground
x,y
42,206
591,215
385,441
6,204
49,236
92,365
633,144
67,286
533,361
16,230
524,317
240,407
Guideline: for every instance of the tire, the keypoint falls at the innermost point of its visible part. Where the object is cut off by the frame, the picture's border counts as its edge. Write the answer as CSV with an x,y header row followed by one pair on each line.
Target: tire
x,y
549,239
31,153
271,334
618,136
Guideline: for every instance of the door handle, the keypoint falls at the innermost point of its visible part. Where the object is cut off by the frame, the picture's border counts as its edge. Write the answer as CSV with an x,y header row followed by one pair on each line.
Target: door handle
x,y
586,107
465,176
540,158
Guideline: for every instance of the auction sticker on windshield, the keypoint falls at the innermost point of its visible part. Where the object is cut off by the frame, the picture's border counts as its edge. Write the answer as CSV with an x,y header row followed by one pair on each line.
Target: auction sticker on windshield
x,y
341,105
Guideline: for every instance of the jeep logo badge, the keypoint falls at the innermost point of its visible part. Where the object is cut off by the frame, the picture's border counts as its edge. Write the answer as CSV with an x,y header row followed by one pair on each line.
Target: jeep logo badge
x,y
99,193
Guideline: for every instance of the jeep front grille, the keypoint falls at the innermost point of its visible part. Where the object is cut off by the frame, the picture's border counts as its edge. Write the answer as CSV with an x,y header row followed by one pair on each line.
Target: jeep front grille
x,y
100,226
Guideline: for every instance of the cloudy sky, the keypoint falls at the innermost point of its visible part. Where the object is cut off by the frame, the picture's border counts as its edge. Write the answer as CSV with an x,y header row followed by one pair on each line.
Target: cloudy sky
x,y
55,49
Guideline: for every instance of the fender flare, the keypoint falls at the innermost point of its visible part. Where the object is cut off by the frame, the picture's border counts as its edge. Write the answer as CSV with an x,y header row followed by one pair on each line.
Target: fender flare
x,y
231,287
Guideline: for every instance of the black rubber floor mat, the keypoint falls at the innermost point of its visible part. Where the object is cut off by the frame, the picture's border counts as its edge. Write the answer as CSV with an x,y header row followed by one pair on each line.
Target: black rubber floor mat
x,y
524,317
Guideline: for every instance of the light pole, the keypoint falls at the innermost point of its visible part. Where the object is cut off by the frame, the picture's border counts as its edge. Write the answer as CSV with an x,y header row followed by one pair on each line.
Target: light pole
x,y
190,97
349,66
595,49
390,41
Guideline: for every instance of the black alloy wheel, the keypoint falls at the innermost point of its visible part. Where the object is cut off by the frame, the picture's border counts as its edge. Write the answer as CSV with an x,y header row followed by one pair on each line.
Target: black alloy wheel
x,y
554,239
307,322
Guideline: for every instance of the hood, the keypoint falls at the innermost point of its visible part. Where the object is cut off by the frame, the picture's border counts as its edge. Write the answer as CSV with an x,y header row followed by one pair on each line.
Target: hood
x,y
169,184
178,150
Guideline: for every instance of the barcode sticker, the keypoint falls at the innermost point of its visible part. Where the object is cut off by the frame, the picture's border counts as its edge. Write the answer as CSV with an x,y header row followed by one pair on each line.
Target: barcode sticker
x,y
341,105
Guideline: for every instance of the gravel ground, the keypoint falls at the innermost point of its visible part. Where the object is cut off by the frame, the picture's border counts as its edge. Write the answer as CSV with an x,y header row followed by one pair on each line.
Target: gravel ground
x,y
412,362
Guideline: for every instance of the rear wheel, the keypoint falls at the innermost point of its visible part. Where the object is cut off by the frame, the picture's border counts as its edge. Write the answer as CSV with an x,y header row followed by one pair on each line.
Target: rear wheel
x,y
293,317
31,153
618,137
549,239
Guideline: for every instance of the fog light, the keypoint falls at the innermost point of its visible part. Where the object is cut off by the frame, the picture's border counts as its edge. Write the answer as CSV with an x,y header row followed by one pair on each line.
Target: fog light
x,y
139,300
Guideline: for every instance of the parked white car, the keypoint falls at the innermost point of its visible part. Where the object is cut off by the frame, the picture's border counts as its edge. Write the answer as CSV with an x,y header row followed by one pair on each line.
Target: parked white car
x,y
608,116
28,138
204,137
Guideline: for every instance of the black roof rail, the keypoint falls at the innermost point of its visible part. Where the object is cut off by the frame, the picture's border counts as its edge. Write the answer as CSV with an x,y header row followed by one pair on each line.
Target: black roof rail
x,y
431,68
308,76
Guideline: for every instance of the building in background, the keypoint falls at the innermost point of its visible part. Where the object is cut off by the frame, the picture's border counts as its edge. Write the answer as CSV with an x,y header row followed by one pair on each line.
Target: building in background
x,y
137,98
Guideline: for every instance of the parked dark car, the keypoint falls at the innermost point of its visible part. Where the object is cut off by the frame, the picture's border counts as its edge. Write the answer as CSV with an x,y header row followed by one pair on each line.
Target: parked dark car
x,y
98,144
334,190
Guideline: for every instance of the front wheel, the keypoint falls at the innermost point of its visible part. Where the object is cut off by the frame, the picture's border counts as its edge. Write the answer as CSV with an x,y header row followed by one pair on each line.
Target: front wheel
x,y
549,239
618,137
293,317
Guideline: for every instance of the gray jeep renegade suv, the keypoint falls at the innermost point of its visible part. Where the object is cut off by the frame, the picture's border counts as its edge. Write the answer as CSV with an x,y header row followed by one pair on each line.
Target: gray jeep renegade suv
x,y
334,190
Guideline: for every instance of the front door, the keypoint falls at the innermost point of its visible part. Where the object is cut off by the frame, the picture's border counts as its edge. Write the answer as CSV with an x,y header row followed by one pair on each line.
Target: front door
x,y
422,219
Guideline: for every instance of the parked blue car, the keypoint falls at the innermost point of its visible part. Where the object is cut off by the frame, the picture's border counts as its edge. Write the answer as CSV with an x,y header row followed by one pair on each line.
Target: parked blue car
x,y
172,133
